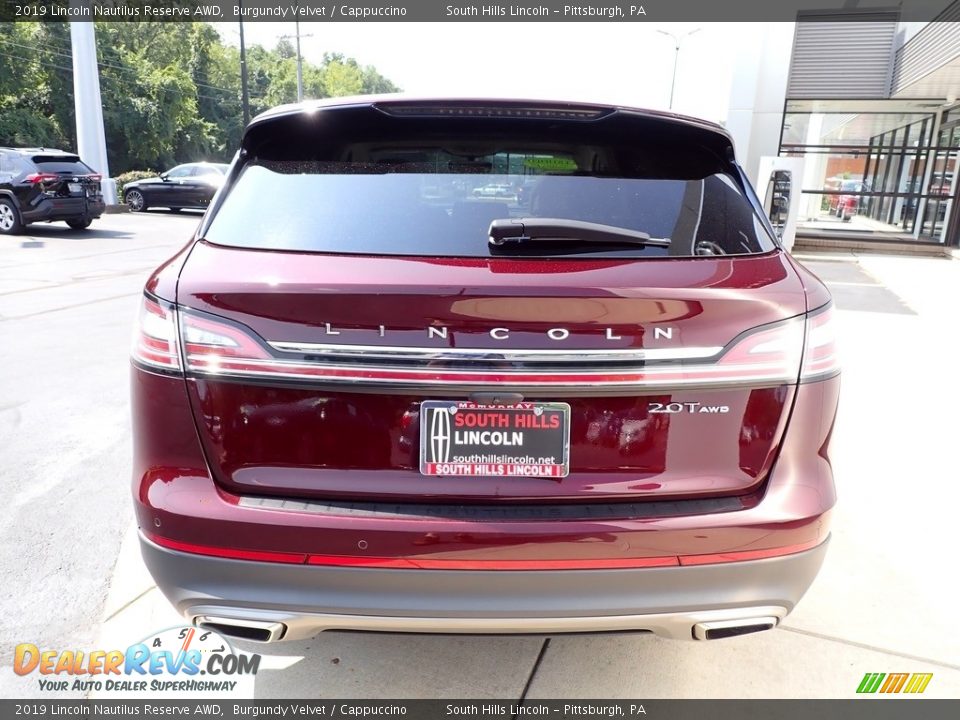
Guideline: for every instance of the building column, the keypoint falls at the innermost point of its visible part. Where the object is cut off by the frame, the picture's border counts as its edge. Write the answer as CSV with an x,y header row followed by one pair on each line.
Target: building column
x,y
91,143
814,171
758,91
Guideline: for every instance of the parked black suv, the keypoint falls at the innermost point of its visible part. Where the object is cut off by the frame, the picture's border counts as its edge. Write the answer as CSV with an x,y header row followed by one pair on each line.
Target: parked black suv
x,y
40,184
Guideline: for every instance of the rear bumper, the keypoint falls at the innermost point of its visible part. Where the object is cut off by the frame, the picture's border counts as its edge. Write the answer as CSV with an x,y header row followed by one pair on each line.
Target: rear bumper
x,y
303,600
63,209
312,568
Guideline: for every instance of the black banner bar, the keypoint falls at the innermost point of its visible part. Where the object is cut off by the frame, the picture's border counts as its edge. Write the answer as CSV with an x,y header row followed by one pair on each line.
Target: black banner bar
x,y
635,11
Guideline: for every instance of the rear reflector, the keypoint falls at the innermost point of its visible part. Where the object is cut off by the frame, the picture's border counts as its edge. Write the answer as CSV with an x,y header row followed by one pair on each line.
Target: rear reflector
x,y
491,564
743,555
231,553
440,563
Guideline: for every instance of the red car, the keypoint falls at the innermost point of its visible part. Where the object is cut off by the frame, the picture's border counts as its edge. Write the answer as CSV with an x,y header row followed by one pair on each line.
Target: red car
x,y
846,206
364,399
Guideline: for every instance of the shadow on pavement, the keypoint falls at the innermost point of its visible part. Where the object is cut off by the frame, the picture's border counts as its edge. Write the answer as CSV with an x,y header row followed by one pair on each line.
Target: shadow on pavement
x,y
189,212
853,288
377,665
60,231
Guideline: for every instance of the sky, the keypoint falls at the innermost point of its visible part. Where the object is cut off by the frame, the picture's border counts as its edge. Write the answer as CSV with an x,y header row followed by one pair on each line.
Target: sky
x,y
619,63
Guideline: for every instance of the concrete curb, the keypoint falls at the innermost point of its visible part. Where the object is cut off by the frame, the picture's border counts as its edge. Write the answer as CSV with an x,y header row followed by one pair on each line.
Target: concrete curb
x,y
116,209
130,579
811,244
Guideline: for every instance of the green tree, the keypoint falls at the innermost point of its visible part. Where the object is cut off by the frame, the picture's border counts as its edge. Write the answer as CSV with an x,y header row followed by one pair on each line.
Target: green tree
x,y
170,91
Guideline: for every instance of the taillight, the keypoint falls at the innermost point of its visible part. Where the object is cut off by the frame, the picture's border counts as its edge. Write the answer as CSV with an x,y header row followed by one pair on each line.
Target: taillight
x,y
214,346
781,353
155,336
763,355
820,357
36,178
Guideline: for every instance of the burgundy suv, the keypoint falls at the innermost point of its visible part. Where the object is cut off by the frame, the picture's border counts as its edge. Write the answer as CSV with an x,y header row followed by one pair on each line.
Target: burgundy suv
x,y
368,397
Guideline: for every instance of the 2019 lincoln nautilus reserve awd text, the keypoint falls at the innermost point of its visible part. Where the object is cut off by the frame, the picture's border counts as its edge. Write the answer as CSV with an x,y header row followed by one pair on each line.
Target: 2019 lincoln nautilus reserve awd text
x,y
483,366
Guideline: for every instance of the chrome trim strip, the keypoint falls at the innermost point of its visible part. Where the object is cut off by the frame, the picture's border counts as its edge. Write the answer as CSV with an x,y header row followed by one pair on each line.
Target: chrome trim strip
x,y
546,512
274,630
559,392
672,625
701,631
421,354
500,378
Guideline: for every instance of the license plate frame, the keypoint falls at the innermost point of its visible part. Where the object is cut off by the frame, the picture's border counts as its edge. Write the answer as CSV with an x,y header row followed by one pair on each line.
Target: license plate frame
x,y
543,450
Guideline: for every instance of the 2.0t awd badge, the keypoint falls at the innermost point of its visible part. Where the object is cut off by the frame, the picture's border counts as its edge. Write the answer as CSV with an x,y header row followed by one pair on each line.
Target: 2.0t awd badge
x,y
685,407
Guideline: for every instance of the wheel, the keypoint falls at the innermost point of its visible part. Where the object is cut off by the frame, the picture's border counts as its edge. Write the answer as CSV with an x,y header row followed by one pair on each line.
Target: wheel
x,y
135,200
80,223
9,218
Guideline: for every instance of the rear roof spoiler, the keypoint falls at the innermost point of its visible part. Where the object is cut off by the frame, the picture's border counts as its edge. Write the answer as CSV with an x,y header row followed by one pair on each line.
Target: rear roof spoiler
x,y
405,106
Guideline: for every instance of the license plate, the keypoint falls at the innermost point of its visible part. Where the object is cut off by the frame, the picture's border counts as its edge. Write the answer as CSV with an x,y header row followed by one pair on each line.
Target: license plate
x,y
75,188
466,439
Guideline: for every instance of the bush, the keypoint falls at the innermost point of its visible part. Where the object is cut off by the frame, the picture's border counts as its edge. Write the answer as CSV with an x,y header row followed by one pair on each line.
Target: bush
x,y
129,177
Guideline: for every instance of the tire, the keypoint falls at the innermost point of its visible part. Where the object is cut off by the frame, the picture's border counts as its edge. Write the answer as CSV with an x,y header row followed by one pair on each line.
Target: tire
x,y
80,223
10,223
135,200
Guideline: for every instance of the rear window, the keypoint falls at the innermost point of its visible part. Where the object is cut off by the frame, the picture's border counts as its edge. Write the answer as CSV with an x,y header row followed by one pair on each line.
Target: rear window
x,y
439,198
61,164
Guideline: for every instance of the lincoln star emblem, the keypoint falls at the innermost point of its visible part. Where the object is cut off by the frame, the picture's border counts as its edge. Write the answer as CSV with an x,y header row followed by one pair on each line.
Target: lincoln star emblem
x,y
440,435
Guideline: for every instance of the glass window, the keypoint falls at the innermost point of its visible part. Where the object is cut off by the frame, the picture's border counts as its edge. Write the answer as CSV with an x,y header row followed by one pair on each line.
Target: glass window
x,y
863,172
61,164
181,171
409,201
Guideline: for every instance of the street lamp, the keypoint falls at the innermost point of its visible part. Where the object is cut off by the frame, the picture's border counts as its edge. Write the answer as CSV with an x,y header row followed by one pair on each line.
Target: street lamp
x,y
676,55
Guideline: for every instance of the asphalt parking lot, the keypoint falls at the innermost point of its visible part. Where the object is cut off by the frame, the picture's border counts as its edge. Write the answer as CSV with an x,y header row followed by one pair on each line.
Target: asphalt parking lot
x,y
884,602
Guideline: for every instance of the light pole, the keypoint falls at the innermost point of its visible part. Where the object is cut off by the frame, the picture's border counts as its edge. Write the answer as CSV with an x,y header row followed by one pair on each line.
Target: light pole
x,y
676,56
244,93
299,67
297,35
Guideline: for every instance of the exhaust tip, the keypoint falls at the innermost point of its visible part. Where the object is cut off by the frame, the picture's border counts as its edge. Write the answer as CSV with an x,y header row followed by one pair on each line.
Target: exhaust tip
x,y
241,629
732,628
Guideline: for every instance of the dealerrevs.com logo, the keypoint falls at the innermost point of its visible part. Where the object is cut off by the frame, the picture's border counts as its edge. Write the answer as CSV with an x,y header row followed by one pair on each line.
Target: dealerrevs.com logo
x,y
177,660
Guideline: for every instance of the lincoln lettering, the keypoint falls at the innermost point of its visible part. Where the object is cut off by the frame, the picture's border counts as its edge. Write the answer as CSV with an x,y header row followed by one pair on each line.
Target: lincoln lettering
x,y
486,437
441,332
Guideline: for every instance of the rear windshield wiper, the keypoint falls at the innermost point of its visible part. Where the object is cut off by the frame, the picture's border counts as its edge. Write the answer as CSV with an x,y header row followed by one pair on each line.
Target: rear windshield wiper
x,y
547,230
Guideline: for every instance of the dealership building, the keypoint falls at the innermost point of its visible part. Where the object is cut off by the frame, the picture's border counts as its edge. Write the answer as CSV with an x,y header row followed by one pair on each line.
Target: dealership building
x,y
871,105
